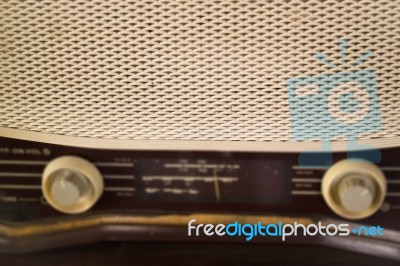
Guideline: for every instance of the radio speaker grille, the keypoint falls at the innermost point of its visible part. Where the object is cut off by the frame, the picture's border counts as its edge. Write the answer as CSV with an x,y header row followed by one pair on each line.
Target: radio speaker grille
x,y
185,70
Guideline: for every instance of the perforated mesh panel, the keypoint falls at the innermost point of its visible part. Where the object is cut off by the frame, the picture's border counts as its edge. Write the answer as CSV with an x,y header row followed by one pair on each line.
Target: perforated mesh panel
x,y
185,70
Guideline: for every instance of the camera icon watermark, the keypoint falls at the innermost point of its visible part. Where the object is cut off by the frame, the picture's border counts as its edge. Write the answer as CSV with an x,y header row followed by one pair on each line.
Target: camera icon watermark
x,y
344,104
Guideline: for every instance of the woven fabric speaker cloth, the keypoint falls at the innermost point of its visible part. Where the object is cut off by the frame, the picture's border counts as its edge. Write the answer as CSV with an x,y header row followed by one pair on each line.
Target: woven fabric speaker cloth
x,y
242,72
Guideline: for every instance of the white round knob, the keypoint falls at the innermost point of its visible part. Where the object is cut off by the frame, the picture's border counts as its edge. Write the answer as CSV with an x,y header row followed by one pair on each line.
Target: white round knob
x,y
71,184
356,193
354,189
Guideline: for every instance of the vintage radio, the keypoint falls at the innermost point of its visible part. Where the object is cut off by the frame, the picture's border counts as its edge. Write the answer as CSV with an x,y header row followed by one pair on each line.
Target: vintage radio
x,y
124,120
